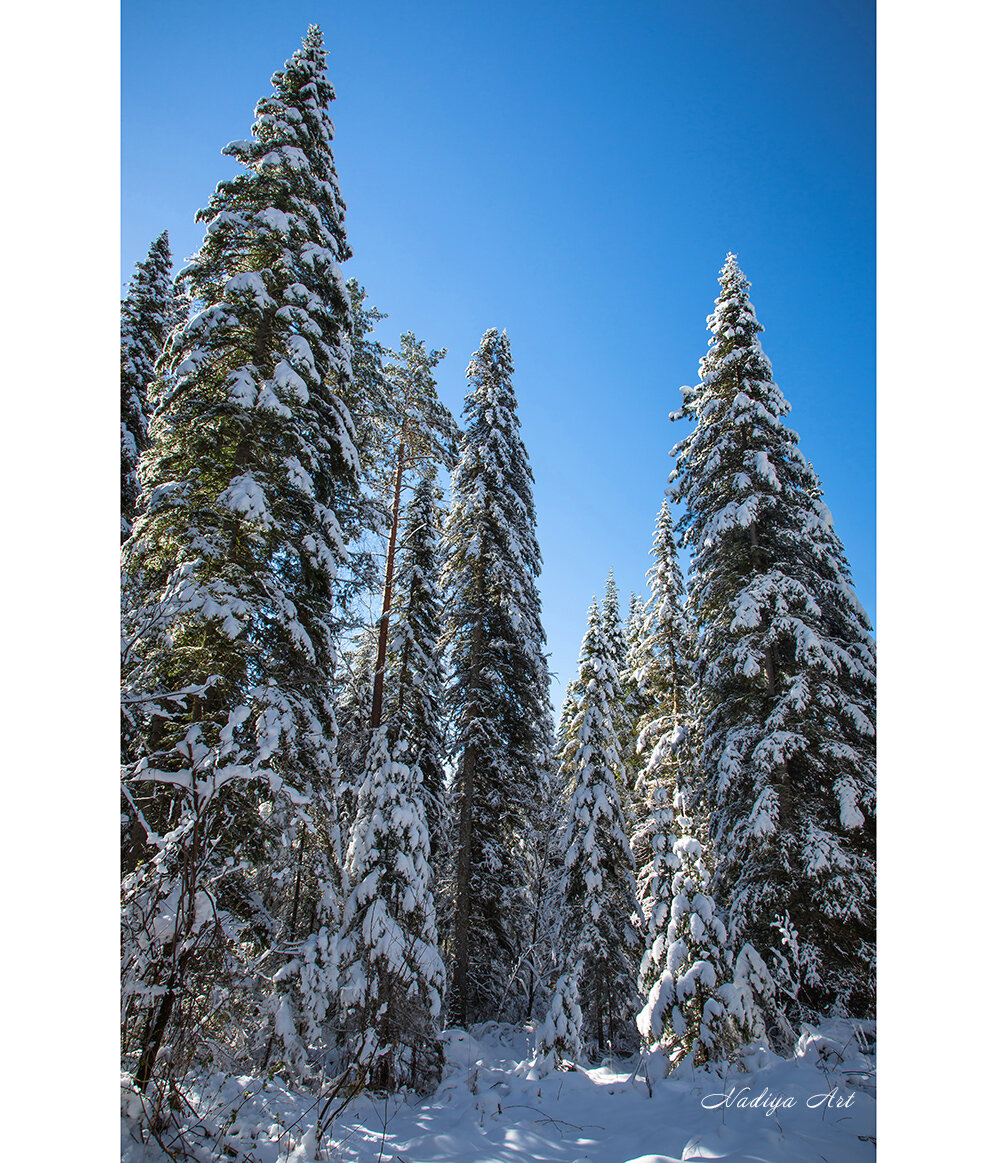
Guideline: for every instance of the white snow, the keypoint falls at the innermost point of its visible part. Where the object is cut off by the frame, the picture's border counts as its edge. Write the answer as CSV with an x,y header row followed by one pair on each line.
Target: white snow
x,y
817,1107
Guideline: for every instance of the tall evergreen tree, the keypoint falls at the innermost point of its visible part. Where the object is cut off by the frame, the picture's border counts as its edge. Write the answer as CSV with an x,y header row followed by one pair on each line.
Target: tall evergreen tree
x,y
597,887
615,634
787,671
662,653
416,670
251,471
613,631
499,691
653,845
566,714
148,312
634,698
660,670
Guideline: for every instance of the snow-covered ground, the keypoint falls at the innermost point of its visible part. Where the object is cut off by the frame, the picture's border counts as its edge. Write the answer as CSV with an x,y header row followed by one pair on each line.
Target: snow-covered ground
x,y
818,1107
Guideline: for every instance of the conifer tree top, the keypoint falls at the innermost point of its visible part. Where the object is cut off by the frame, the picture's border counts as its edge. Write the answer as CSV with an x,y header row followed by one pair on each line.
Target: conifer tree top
x,y
786,665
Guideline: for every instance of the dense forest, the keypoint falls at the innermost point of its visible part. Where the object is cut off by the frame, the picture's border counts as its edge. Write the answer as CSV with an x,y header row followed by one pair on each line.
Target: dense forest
x,y
350,818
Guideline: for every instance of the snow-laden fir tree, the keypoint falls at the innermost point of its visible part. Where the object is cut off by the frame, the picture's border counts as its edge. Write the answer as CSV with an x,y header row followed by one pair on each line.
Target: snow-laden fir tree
x,y
499,691
566,713
693,1011
844,617
653,844
611,612
148,312
416,675
251,469
597,886
615,634
786,672
661,657
660,674
392,973
634,699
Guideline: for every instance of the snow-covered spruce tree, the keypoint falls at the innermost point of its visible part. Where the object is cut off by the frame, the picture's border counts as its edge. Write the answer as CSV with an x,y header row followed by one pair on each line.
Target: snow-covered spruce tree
x,y
634,699
615,634
393,976
499,690
416,671
662,655
597,887
661,673
251,466
147,313
653,844
566,714
844,617
786,672
692,1009
611,612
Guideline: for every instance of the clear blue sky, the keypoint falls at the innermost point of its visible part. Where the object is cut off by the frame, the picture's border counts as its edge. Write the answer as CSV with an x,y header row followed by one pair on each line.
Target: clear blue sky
x,y
574,173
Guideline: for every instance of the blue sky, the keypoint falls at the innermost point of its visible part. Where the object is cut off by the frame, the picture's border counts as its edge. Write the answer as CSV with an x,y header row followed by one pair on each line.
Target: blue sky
x,y
574,173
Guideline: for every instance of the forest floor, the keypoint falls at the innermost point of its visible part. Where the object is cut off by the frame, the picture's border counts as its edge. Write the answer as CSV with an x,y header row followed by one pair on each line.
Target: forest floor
x,y
815,1107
